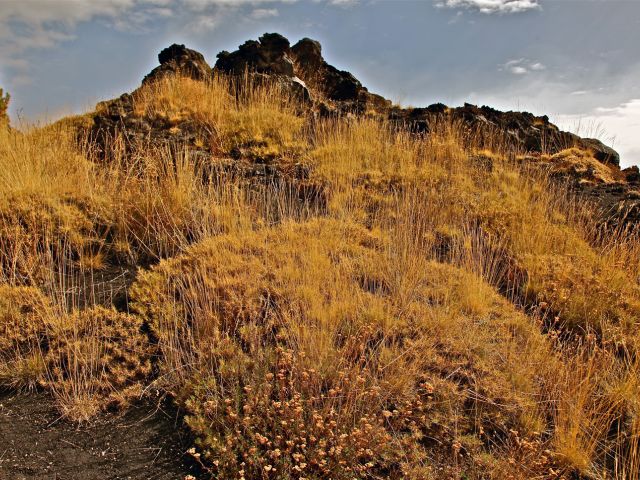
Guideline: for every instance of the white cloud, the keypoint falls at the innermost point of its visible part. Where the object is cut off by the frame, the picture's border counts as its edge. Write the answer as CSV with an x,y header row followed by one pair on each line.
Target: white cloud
x,y
260,13
204,23
491,6
40,24
26,24
522,66
29,24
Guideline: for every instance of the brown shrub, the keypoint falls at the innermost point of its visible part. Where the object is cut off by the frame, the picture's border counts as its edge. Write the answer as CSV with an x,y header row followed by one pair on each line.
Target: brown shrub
x,y
96,359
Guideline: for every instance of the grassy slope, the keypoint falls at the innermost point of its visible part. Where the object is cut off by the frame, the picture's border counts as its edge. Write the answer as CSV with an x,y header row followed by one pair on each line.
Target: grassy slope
x,y
427,311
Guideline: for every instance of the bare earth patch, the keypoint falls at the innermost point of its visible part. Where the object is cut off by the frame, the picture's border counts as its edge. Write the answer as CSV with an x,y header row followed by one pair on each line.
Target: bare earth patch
x,y
143,443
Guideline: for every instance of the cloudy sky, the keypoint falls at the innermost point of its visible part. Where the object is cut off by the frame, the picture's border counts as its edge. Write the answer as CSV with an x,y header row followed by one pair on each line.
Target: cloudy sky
x,y
576,60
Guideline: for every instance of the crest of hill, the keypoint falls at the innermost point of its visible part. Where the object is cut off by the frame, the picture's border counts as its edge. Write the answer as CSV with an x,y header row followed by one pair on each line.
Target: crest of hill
x,y
335,91
584,165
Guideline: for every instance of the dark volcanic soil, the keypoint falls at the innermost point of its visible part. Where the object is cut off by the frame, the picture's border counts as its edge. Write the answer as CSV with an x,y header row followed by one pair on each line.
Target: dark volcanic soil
x,y
144,443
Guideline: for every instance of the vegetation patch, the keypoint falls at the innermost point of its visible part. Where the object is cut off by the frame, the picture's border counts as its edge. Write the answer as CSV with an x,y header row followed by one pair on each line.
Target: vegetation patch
x,y
91,359
335,297
327,363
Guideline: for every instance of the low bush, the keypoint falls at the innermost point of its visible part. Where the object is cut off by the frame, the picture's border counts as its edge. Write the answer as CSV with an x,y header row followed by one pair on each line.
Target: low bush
x,y
301,351
90,359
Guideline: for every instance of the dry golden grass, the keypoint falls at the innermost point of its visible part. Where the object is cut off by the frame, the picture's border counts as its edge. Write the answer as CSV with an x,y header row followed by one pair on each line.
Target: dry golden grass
x,y
91,359
49,197
23,315
259,122
329,300
382,305
95,359
575,162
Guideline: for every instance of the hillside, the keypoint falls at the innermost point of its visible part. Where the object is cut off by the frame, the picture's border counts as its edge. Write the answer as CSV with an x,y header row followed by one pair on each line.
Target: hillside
x,y
322,283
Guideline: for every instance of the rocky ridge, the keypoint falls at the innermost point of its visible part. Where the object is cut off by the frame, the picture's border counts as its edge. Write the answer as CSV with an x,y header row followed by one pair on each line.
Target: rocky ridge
x,y
327,91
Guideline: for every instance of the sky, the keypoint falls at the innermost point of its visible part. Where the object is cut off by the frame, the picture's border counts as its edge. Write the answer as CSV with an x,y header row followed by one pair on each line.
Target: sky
x,y
577,61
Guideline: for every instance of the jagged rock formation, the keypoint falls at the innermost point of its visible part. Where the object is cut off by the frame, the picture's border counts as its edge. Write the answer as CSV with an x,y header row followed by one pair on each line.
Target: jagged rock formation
x,y
117,117
270,56
336,85
325,90
177,59
521,129
302,65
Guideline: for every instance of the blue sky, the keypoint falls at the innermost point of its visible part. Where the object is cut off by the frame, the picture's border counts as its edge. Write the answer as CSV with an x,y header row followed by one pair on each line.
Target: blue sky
x,y
576,60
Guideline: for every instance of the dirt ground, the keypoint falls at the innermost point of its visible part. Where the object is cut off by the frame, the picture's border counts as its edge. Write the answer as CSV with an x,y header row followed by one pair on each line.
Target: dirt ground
x,y
145,442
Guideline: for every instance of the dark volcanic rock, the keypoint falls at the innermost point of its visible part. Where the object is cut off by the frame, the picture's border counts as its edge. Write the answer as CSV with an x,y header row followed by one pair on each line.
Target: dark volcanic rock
x,y
268,55
177,59
308,54
615,192
116,121
522,130
335,84
298,66
600,151
619,202
632,175
267,58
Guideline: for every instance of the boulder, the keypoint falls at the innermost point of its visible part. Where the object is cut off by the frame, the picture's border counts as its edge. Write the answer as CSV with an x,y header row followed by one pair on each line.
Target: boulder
x,y
337,85
600,151
268,55
632,174
116,120
180,60
266,58
308,55
298,67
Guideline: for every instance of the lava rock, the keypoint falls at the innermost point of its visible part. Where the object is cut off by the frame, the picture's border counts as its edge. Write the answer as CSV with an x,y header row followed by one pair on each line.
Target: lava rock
x,y
600,151
337,85
268,55
265,59
180,60
632,174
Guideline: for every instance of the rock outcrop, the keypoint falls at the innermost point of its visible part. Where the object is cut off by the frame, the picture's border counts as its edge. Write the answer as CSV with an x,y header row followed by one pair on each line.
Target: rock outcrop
x,y
300,67
178,59
616,192
269,54
268,57
523,130
116,119
334,84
